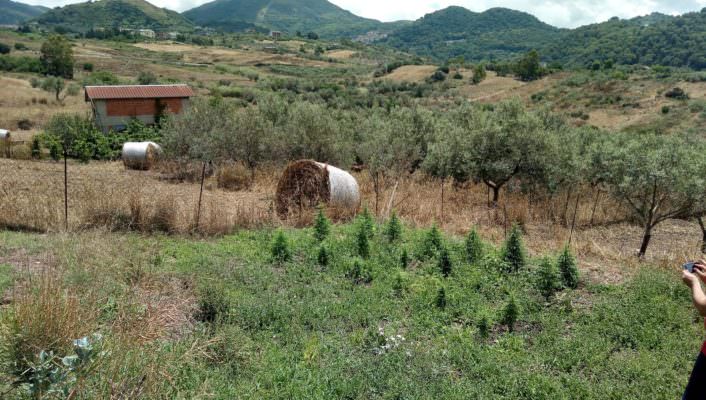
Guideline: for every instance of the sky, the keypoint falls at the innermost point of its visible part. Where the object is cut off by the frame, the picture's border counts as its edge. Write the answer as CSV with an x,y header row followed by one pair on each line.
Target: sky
x,y
560,13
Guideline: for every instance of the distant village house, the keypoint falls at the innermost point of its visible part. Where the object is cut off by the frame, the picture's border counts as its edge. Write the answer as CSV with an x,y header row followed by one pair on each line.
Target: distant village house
x,y
114,106
275,34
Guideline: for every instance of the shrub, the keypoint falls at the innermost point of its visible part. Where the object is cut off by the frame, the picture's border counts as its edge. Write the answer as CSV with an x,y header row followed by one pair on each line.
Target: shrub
x,y
440,300
36,148
101,78
665,109
146,78
513,253
394,228
4,49
88,67
280,248
568,269
322,257
20,64
484,325
73,89
20,46
510,313
34,82
677,94
213,303
437,76
362,242
445,265
322,226
367,222
474,247
549,278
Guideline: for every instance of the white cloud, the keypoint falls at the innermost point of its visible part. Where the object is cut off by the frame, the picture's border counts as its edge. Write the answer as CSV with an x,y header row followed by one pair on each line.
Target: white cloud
x,y
562,13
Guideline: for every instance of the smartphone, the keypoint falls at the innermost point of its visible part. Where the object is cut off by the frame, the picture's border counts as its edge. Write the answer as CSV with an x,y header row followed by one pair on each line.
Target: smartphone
x,y
689,266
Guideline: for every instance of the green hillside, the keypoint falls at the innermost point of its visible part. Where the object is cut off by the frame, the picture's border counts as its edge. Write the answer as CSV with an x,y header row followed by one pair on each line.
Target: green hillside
x,y
455,31
114,14
292,16
653,40
12,12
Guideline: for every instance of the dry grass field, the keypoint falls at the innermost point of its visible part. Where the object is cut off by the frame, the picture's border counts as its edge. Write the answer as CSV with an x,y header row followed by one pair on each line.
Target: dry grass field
x,y
106,195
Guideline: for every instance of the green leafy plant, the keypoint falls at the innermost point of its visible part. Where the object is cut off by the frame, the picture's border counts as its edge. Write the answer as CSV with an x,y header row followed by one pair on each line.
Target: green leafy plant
x,y
513,252
440,300
474,247
549,278
404,259
445,265
323,256
510,313
362,242
568,268
322,226
393,230
213,304
432,243
280,248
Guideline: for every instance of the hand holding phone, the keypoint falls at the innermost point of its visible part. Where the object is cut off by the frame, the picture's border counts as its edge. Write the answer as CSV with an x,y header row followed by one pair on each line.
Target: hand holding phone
x,y
689,266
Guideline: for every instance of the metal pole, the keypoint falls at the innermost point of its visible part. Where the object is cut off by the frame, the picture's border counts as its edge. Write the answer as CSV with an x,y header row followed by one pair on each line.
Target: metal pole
x,y
573,223
198,213
66,193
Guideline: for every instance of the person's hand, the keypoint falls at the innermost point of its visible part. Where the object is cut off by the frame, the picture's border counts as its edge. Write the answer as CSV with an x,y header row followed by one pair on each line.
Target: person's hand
x,y
689,279
700,270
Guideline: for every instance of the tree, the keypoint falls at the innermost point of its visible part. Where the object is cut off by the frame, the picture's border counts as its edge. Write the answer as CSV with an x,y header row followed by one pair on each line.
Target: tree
x,y
77,136
53,85
507,143
57,57
513,252
657,177
479,74
528,67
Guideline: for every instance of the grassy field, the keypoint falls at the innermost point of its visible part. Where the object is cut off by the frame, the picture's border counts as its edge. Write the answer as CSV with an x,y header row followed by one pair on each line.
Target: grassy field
x,y
222,318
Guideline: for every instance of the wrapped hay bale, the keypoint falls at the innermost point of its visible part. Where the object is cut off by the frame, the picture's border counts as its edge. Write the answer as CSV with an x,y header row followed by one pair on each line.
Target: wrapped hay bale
x,y
308,183
140,155
4,135
5,142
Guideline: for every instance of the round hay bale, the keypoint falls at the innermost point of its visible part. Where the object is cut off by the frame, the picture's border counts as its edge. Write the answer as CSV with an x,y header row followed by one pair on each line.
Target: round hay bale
x,y
4,135
307,183
140,155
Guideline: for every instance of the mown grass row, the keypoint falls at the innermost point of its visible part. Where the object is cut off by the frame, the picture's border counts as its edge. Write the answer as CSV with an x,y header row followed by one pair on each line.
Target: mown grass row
x,y
389,312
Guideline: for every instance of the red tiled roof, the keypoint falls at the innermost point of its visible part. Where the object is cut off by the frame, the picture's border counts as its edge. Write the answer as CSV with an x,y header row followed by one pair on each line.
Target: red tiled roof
x,y
137,92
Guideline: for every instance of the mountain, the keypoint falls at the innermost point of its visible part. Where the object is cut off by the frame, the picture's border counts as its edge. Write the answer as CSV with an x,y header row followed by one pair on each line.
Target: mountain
x,y
132,14
320,16
455,31
14,13
657,39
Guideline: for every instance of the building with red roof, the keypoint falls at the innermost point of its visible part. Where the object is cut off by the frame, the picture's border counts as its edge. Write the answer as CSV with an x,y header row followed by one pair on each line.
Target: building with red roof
x,y
114,106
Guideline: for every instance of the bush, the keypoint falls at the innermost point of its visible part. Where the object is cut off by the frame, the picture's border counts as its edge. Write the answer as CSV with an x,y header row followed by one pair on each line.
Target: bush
x,y
147,78
101,78
474,247
280,248
367,222
393,232
484,325
549,281
73,89
513,253
88,67
437,76
213,303
665,109
677,94
404,259
20,64
360,272
20,46
4,49
322,226
568,269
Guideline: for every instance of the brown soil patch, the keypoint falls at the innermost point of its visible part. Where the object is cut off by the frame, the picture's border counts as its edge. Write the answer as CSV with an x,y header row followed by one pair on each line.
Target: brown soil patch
x,y
341,54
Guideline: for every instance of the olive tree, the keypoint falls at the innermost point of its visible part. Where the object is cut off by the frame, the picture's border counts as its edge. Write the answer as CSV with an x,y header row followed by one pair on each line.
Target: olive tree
x,y
657,177
57,57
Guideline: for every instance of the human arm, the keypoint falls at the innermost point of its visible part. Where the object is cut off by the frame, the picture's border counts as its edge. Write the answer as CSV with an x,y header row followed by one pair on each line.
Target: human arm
x,y
692,281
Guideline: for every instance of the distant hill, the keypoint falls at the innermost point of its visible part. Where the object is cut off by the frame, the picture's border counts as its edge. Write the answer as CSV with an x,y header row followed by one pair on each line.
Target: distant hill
x,y
114,14
14,13
497,33
656,39
319,16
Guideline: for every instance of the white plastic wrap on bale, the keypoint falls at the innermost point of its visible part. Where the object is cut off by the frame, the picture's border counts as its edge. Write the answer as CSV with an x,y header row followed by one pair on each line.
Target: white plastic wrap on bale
x,y
4,134
140,155
343,188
